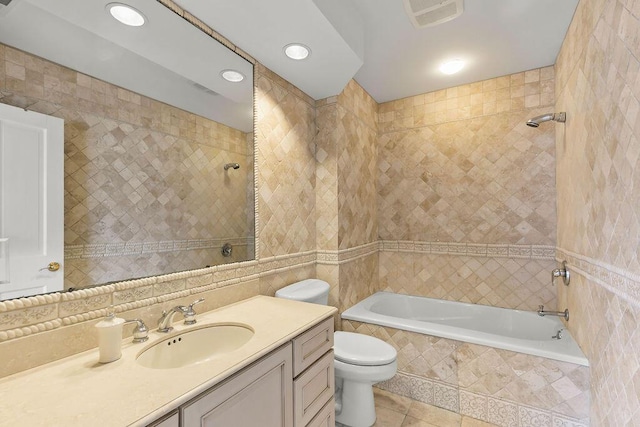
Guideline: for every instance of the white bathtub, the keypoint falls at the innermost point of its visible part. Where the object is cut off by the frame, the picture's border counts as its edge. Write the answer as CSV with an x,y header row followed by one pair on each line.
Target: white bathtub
x,y
514,330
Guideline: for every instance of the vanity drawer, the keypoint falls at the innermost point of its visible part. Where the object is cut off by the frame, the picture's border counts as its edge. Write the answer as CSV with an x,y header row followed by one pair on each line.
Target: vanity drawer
x,y
311,345
326,417
312,389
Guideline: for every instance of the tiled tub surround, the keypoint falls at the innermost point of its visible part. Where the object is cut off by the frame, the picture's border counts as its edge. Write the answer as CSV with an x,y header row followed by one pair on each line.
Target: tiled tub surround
x,y
139,174
598,170
508,276
498,386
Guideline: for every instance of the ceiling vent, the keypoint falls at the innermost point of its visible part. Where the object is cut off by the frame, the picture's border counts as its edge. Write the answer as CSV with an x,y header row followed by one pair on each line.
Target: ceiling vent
x,y
204,88
427,13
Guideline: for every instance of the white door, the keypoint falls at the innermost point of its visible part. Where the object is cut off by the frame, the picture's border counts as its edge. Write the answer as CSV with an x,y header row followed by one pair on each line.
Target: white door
x,y
31,202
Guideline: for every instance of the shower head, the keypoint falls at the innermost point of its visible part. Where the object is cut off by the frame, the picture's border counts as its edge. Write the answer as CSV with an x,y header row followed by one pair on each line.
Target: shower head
x,y
557,117
231,166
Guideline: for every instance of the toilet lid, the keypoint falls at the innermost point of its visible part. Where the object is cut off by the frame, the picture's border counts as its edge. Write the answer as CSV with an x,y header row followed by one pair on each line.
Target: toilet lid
x,y
360,349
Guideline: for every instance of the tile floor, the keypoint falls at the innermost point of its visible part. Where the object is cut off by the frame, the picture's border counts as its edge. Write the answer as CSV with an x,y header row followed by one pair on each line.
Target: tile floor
x,y
397,411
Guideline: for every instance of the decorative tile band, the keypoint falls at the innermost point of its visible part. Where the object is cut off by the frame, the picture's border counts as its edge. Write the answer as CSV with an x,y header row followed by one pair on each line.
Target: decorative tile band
x,y
624,284
145,248
26,316
471,249
347,255
501,412
170,286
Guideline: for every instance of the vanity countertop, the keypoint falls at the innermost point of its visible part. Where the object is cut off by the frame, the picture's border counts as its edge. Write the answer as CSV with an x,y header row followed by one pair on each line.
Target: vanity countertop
x,y
79,391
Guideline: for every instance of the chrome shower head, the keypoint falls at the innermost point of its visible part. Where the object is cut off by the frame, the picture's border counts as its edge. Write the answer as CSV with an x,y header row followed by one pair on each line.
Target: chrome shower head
x,y
557,117
231,166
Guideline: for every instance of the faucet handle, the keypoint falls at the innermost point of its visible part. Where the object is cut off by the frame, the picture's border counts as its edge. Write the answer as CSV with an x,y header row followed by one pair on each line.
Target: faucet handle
x,y
198,301
140,331
190,314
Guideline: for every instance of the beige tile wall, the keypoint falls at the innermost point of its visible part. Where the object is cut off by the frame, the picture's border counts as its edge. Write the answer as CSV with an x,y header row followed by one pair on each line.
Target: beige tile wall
x,y
139,198
479,177
598,150
346,156
499,386
285,126
520,283
459,171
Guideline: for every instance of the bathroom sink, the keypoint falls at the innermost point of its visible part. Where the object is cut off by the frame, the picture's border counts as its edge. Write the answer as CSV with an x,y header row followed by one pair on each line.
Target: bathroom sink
x,y
195,345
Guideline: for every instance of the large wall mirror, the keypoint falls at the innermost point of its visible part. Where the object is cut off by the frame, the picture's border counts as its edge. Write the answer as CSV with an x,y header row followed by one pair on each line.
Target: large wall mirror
x,y
158,146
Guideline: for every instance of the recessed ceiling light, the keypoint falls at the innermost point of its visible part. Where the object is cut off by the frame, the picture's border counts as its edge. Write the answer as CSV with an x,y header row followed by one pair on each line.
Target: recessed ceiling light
x,y
232,76
452,67
297,51
126,14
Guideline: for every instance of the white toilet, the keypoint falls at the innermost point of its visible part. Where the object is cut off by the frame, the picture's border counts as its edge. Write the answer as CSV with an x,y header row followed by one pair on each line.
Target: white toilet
x,y
360,360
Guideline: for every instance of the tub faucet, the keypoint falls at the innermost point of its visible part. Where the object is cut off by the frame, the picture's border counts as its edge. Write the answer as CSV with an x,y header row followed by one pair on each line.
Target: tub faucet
x,y
543,313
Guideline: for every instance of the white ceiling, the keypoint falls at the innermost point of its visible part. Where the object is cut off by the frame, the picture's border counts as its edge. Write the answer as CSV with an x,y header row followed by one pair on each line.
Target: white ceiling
x,y
374,41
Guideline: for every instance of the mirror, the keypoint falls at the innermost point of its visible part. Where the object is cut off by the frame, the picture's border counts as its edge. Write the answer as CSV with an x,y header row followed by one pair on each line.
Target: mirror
x,y
158,147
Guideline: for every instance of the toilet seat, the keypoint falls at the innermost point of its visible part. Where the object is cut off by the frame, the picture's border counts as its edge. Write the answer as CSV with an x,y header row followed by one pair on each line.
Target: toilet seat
x,y
362,350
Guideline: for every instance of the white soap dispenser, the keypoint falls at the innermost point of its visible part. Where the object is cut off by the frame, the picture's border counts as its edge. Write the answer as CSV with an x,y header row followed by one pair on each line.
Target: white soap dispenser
x,y
110,337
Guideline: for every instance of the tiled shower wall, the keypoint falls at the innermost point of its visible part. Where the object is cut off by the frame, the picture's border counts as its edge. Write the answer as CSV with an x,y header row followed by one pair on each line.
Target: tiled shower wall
x,y
145,188
466,193
347,227
598,155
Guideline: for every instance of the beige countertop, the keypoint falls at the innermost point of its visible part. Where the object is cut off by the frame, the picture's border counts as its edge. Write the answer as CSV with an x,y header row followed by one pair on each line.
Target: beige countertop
x,y
79,391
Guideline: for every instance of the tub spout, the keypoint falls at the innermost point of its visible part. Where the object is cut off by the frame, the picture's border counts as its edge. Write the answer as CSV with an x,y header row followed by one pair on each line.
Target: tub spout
x,y
543,313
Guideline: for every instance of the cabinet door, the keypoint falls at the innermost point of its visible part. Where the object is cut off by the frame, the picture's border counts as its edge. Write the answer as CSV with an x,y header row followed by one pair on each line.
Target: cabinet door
x,y
259,395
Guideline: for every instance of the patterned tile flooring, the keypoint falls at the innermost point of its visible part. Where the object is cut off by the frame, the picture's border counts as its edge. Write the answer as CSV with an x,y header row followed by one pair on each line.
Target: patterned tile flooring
x,y
398,411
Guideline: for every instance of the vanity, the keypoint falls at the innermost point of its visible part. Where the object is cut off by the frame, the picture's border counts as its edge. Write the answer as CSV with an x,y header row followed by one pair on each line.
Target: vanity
x,y
281,375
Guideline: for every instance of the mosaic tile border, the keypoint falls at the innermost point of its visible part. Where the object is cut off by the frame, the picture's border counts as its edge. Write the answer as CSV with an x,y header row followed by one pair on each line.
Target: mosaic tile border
x,y
26,316
541,252
347,255
139,248
501,412
620,282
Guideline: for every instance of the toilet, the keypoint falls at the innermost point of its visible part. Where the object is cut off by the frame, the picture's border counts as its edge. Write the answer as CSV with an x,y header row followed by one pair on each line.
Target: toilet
x,y
360,360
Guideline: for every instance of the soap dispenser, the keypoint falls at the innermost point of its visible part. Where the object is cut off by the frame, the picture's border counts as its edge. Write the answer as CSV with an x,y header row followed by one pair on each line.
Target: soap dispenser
x,y
110,337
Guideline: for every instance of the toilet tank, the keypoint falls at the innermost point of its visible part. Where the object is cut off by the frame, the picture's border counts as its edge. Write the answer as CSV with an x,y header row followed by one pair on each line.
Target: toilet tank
x,y
310,290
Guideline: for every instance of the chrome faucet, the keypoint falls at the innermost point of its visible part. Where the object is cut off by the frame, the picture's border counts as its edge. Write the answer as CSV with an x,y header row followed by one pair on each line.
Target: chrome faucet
x,y
190,314
543,313
140,331
562,272
164,323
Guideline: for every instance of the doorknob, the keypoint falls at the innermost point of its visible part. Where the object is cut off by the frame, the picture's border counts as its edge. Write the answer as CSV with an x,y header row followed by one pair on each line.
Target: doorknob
x,y
53,266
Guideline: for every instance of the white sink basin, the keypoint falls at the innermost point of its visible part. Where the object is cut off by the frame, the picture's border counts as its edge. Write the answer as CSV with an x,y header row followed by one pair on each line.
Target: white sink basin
x,y
195,345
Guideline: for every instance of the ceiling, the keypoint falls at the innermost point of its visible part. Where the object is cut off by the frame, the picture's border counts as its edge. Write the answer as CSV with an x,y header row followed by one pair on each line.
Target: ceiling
x,y
374,41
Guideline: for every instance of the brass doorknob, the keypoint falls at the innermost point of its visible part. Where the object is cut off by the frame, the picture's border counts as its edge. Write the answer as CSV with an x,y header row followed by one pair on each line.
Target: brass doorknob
x,y
53,266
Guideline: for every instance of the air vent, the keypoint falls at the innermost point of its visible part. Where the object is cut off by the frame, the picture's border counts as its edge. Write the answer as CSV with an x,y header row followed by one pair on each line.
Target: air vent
x,y
203,88
427,13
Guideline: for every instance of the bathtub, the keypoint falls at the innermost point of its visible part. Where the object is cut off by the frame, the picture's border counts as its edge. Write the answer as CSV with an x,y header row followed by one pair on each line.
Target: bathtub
x,y
513,330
